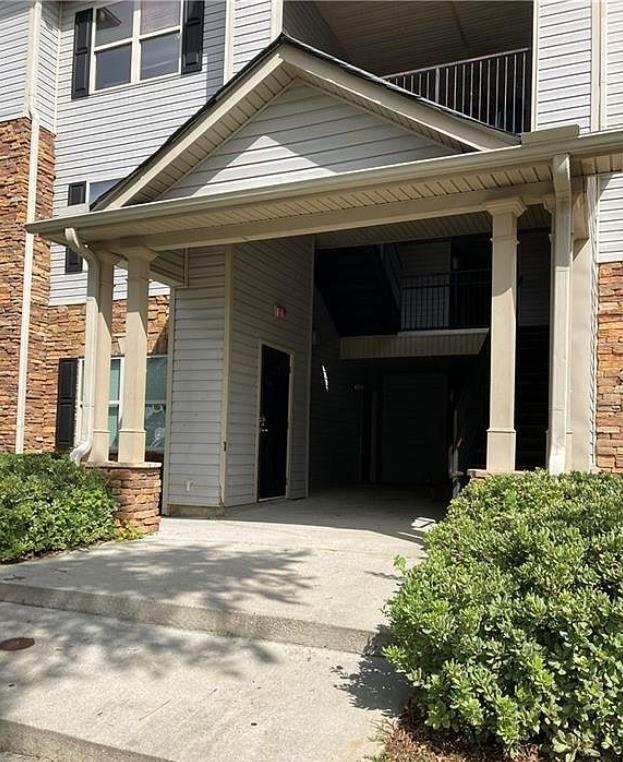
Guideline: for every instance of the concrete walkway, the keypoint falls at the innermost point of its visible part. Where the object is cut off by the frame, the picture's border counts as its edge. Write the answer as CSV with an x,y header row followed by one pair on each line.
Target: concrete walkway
x,y
313,572
289,577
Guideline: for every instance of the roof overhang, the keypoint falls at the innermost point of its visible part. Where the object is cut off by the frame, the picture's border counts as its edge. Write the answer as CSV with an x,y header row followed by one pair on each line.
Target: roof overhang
x,y
437,187
262,80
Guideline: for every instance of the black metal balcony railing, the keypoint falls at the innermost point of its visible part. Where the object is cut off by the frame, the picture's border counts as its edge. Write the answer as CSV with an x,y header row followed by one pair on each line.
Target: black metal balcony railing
x,y
457,299
494,89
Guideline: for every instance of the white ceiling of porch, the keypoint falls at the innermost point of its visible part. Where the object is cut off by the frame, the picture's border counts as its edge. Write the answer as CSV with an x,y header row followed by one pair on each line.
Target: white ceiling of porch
x,y
436,227
424,32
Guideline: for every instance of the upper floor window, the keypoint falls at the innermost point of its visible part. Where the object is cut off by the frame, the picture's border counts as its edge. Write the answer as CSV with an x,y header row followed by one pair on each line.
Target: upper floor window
x,y
135,40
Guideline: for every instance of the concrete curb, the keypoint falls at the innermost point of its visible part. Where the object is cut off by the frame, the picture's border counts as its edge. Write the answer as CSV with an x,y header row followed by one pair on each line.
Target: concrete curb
x,y
223,622
58,747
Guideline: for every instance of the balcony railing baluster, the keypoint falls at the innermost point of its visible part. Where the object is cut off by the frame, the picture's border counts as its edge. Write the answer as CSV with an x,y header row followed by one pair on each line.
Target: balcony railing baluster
x,y
494,89
456,299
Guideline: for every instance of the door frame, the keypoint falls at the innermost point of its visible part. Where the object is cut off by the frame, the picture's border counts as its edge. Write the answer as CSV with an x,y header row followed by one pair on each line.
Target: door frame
x,y
258,403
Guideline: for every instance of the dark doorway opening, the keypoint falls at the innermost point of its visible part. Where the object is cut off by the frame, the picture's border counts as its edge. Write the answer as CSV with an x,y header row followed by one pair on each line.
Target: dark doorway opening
x,y
273,423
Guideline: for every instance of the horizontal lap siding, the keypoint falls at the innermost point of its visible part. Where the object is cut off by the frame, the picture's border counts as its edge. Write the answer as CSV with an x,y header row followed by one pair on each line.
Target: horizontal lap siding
x,y
264,274
564,63
196,391
303,134
48,64
13,57
106,135
611,187
252,30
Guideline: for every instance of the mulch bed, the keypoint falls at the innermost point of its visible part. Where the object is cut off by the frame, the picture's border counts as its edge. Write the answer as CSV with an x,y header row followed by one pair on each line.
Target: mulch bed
x,y
409,740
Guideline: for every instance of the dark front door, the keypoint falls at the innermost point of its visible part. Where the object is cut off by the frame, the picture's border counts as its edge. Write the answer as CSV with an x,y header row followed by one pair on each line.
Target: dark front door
x,y
273,423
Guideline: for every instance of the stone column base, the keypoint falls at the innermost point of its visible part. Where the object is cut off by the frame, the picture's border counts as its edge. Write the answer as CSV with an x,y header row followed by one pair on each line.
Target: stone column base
x,y
137,489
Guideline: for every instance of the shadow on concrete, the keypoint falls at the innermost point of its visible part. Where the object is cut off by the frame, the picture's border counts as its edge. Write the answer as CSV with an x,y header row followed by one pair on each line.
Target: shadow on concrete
x,y
384,510
375,685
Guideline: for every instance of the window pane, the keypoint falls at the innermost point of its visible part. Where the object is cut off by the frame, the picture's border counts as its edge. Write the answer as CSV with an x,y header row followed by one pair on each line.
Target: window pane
x,y
159,14
113,23
160,55
113,427
115,380
112,67
99,188
156,378
154,427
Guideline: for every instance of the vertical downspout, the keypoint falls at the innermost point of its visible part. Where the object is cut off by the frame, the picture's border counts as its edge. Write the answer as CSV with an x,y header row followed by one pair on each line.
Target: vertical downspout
x,y
34,29
90,326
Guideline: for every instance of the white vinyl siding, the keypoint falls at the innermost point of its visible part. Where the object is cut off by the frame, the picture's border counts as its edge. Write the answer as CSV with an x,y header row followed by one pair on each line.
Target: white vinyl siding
x,y
303,21
252,30
610,214
614,65
267,273
610,205
303,134
48,63
13,54
107,134
194,433
563,63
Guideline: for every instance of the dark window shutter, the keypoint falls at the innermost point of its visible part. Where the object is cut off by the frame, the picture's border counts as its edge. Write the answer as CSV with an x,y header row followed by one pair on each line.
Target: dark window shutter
x,y
82,54
192,36
66,403
76,194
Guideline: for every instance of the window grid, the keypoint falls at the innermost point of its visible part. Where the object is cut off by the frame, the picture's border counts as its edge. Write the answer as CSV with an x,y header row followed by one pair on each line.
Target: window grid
x,y
116,405
135,40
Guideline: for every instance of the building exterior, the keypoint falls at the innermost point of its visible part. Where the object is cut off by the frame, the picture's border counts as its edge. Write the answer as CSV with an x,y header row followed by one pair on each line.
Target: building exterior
x,y
275,245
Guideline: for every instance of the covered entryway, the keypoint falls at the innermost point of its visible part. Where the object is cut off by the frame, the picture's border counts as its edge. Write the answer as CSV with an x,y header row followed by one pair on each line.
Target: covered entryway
x,y
295,152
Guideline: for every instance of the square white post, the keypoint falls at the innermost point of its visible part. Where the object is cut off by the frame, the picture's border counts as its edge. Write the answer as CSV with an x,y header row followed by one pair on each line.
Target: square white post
x,y
100,448
501,436
562,256
132,432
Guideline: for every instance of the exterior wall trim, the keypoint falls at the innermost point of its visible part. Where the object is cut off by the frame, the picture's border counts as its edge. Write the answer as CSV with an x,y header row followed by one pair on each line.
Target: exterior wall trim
x,y
227,349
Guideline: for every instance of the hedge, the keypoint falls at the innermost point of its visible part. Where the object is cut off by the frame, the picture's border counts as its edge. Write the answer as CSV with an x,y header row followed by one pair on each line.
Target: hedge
x,y
48,503
511,630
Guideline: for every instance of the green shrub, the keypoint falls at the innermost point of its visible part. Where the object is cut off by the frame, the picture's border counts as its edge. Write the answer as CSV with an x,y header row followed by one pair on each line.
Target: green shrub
x,y
48,503
511,630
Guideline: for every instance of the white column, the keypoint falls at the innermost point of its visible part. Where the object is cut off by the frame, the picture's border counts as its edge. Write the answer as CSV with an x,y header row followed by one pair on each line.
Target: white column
x,y
581,327
132,433
100,447
562,255
501,434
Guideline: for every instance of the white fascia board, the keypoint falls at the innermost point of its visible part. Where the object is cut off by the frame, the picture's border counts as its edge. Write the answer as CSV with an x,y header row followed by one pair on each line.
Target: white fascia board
x,y
584,146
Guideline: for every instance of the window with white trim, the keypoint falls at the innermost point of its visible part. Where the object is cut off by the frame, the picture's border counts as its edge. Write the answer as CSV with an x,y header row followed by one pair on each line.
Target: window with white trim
x,y
135,40
155,402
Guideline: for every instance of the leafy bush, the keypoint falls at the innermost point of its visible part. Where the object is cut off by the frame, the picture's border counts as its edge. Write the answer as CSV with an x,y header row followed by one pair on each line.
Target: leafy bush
x,y
48,503
511,630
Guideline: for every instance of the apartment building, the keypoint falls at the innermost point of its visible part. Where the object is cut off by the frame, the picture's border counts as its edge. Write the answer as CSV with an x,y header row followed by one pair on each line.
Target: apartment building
x,y
253,247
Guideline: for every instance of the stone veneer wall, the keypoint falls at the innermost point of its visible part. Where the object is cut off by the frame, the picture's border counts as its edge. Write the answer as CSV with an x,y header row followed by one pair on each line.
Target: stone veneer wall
x,y
14,156
609,418
137,489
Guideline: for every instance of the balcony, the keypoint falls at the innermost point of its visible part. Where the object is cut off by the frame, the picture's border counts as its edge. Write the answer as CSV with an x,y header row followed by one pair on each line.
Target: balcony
x,y
459,299
494,89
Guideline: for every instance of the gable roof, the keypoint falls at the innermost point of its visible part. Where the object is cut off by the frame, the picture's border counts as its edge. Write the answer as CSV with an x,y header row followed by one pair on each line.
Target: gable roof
x,y
260,82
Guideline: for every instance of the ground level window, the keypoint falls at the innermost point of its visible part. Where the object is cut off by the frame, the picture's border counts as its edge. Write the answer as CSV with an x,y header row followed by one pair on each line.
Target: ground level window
x,y
155,402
